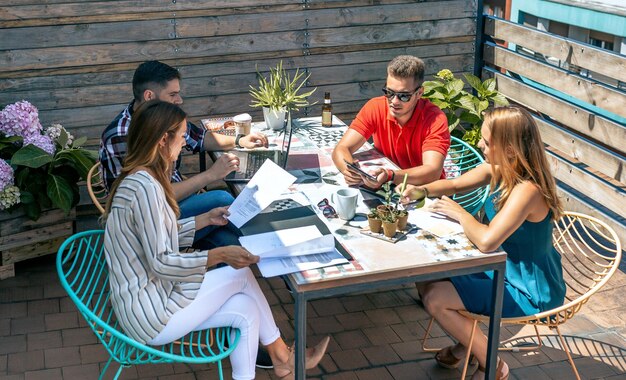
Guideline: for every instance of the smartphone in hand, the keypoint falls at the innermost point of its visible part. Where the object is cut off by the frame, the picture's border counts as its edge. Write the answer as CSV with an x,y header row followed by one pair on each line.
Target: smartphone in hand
x,y
359,171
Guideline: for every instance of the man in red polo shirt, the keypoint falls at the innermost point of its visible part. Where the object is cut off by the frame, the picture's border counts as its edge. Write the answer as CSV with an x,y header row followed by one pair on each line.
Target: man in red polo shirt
x,y
410,131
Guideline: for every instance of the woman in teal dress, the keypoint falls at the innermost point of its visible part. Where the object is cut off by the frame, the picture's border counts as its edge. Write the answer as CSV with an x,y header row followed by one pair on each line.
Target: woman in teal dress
x,y
520,212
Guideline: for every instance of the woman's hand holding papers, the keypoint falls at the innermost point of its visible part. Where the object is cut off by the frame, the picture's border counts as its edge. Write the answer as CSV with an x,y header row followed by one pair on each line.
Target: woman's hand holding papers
x,y
215,217
235,256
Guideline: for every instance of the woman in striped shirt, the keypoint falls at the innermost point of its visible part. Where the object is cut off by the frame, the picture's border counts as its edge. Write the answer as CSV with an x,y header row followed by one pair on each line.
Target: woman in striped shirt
x,y
159,293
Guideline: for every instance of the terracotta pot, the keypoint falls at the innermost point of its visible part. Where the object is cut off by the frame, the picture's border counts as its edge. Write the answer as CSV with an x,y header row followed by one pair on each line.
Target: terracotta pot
x,y
375,224
403,219
389,229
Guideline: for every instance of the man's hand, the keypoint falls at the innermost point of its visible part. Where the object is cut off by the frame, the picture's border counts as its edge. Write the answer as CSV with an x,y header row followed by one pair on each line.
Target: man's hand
x,y
238,257
351,177
225,164
253,140
381,178
217,216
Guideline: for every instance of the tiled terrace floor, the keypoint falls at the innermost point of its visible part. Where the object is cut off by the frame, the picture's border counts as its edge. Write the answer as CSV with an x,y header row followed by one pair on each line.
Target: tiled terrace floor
x,y
374,336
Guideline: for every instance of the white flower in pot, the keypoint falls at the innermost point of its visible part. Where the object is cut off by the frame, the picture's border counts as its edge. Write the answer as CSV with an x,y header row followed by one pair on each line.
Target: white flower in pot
x,y
279,95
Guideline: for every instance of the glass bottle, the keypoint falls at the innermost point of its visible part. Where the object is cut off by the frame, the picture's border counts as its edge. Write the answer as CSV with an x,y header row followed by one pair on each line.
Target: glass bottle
x,y
327,111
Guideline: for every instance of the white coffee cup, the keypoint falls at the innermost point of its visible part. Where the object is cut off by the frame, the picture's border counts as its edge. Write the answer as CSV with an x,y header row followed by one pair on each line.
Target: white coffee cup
x,y
243,124
345,202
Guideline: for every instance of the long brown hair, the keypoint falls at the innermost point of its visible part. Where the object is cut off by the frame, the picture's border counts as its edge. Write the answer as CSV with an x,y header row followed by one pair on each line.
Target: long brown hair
x,y
518,155
149,124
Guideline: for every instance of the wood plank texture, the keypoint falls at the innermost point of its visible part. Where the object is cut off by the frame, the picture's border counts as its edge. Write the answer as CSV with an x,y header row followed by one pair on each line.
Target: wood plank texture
x,y
579,87
583,55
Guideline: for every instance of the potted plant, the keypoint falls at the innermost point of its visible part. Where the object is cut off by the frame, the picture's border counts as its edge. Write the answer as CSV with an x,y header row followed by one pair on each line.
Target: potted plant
x,y
403,218
374,221
280,94
390,224
460,106
39,169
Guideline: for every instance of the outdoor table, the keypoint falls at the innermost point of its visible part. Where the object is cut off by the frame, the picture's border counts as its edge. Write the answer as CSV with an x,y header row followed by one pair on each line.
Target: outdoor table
x,y
377,263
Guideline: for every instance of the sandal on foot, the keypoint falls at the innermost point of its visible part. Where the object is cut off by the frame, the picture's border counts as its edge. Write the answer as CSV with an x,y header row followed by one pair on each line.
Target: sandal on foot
x,y
313,356
446,359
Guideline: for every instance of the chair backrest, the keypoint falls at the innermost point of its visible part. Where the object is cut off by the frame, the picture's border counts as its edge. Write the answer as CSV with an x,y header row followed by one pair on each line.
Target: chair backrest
x,y
590,254
95,187
83,271
460,159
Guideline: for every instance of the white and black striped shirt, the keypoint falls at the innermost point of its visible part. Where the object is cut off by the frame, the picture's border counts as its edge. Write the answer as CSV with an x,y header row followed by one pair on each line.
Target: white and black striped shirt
x,y
150,278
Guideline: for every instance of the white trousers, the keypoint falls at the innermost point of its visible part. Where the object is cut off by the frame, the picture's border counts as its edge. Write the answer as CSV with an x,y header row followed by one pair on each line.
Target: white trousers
x,y
228,297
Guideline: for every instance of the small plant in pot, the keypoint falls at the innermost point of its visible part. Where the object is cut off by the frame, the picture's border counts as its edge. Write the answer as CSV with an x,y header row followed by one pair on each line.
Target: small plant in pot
x,y
390,224
374,221
280,94
403,219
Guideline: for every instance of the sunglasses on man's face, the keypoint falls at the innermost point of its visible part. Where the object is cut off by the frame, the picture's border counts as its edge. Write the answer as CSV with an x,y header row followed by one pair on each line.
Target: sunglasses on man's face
x,y
403,96
327,210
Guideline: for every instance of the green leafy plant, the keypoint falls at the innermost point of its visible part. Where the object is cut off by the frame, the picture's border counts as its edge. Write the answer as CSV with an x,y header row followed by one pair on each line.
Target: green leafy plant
x,y
463,110
39,169
281,90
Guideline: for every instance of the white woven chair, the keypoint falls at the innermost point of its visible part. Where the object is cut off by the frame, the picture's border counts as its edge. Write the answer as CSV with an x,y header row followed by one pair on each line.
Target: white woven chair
x,y
590,253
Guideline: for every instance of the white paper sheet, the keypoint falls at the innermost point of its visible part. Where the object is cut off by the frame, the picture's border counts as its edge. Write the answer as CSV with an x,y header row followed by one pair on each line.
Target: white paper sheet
x,y
432,222
265,186
285,265
288,242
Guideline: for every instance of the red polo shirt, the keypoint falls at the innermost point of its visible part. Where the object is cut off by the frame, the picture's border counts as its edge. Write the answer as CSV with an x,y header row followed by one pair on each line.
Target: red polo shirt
x,y
426,130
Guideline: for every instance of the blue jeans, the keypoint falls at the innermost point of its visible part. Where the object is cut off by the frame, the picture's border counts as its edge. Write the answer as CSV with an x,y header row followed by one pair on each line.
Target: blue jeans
x,y
210,236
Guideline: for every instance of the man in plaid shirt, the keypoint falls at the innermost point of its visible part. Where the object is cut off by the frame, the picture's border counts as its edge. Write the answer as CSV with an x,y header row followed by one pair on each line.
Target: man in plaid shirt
x,y
156,80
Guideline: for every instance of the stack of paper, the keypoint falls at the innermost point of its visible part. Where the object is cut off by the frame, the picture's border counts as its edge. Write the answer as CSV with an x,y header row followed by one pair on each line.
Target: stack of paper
x,y
292,250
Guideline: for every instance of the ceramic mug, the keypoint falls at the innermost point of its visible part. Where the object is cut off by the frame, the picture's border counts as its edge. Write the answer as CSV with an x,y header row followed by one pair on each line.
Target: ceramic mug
x,y
345,202
243,124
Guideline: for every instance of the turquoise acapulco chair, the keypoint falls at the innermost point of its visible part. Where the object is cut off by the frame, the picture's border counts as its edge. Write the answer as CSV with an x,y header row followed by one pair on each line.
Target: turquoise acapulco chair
x,y
460,159
84,274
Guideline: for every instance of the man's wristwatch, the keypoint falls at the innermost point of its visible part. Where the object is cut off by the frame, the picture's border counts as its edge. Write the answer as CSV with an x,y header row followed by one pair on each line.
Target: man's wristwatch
x,y
237,145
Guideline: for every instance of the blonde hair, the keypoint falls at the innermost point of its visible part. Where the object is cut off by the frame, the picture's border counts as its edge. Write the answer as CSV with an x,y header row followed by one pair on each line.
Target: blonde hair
x,y
149,124
518,155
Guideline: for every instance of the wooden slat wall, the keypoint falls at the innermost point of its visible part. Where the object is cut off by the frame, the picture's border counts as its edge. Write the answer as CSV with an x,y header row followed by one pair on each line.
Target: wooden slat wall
x,y
585,147
74,59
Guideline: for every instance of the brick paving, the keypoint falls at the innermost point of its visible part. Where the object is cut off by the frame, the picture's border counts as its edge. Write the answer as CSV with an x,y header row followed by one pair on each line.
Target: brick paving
x,y
374,336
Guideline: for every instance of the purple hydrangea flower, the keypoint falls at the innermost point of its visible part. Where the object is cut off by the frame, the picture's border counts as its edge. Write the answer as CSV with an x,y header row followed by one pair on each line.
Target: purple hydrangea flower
x,y
6,174
20,119
41,141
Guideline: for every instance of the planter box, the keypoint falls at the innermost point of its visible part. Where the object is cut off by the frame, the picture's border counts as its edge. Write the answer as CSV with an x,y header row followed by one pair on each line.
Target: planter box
x,y
22,238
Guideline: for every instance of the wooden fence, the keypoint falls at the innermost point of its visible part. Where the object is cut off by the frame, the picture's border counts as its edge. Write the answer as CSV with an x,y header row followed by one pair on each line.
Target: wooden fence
x,y
74,59
581,119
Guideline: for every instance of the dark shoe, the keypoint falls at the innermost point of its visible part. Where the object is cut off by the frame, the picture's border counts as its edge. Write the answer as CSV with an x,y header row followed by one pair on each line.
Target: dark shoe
x,y
263,359
285,371
446,359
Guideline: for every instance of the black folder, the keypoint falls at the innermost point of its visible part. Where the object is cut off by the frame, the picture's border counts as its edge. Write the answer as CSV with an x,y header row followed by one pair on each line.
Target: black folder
x,y
290,218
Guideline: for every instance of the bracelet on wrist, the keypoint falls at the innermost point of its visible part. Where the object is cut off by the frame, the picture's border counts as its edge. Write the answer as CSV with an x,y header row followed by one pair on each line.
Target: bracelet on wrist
x,y
390,175
237,144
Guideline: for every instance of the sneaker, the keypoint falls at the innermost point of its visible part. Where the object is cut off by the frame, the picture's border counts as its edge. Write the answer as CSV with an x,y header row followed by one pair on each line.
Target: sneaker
x,y
263,359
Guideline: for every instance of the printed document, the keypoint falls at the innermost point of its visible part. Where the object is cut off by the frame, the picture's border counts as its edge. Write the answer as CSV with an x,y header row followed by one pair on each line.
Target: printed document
x,y
265,186
288,242
292,250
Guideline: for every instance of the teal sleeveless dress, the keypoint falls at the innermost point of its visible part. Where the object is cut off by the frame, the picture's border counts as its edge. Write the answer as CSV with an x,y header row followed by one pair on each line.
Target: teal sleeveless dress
x,y
534,277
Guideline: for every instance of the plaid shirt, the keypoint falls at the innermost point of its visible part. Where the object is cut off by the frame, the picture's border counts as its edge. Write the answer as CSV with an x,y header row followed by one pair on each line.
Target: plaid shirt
x,y
113,146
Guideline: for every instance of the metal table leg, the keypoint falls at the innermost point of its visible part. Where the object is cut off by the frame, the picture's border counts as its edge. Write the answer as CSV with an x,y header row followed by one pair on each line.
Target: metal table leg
x,y
300,331
494,321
